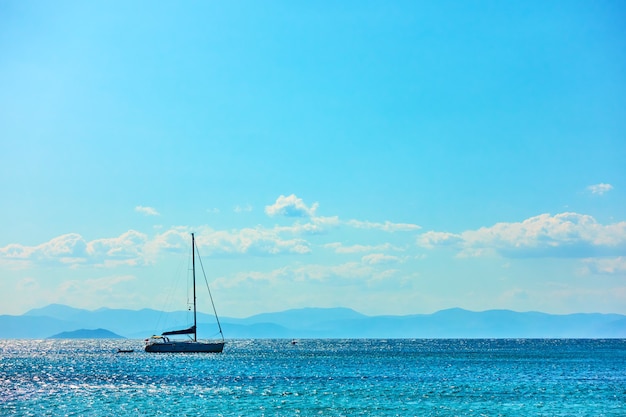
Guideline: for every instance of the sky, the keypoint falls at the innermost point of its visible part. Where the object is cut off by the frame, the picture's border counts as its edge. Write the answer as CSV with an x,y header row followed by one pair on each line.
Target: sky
x,y
391,157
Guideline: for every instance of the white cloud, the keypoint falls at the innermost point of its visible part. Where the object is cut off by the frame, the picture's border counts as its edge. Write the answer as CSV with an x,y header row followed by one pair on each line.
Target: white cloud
x,y
72,250
338,275
316,226
148,211
133,248
606,266
340,248
127,249
248,241
599,189
563,235
243,209
291,206
433,239
253,241
386,226
379,258
174,239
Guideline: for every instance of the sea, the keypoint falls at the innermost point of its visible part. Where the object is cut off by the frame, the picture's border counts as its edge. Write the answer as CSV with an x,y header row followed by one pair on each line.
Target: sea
x,y
460,377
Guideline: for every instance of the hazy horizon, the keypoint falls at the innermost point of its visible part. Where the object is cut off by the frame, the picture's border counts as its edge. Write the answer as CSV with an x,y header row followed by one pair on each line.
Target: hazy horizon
x,y
392,158
316,323
338,307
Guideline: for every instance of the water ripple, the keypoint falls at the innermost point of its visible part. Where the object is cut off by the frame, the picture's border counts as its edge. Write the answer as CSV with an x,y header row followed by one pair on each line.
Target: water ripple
x,y
317,377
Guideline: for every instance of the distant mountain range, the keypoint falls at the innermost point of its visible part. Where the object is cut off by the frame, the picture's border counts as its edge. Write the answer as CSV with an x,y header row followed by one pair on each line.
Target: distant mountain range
x,y
317,323
87,334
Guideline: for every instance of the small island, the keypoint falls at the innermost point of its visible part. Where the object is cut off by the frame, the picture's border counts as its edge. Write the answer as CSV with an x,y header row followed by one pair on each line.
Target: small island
x,y
87,334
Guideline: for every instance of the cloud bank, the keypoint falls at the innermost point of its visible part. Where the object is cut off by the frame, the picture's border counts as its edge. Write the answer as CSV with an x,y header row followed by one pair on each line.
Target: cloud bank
x,y
385,227
134,249
605,266
73,250
562,235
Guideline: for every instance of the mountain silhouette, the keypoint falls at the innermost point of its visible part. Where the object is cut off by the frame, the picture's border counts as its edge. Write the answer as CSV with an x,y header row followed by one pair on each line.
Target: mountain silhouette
x,y
87,334
42,322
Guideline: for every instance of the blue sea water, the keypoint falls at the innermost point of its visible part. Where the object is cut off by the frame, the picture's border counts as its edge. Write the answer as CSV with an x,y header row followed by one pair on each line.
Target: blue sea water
x,y
316,377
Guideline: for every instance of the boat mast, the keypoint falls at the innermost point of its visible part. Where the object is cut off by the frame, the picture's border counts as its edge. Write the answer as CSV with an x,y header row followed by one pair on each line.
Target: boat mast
x,y
193,264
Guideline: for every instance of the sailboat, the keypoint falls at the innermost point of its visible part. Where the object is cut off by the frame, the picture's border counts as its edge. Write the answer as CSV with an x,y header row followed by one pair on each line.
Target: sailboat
x,y
164,344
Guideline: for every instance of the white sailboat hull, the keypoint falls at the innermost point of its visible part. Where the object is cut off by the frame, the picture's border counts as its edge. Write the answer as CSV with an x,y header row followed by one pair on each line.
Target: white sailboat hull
x,y
185,347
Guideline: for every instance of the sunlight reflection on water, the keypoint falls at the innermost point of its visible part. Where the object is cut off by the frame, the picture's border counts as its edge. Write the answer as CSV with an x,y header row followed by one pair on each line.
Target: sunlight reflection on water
x,y
336,377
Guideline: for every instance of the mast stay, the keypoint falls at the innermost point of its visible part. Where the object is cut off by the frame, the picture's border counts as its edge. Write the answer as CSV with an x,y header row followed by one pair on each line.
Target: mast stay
x,y
210,295
193,329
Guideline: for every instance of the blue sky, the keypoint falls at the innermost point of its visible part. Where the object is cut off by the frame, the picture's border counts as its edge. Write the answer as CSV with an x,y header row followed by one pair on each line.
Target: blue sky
x,y
393,158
